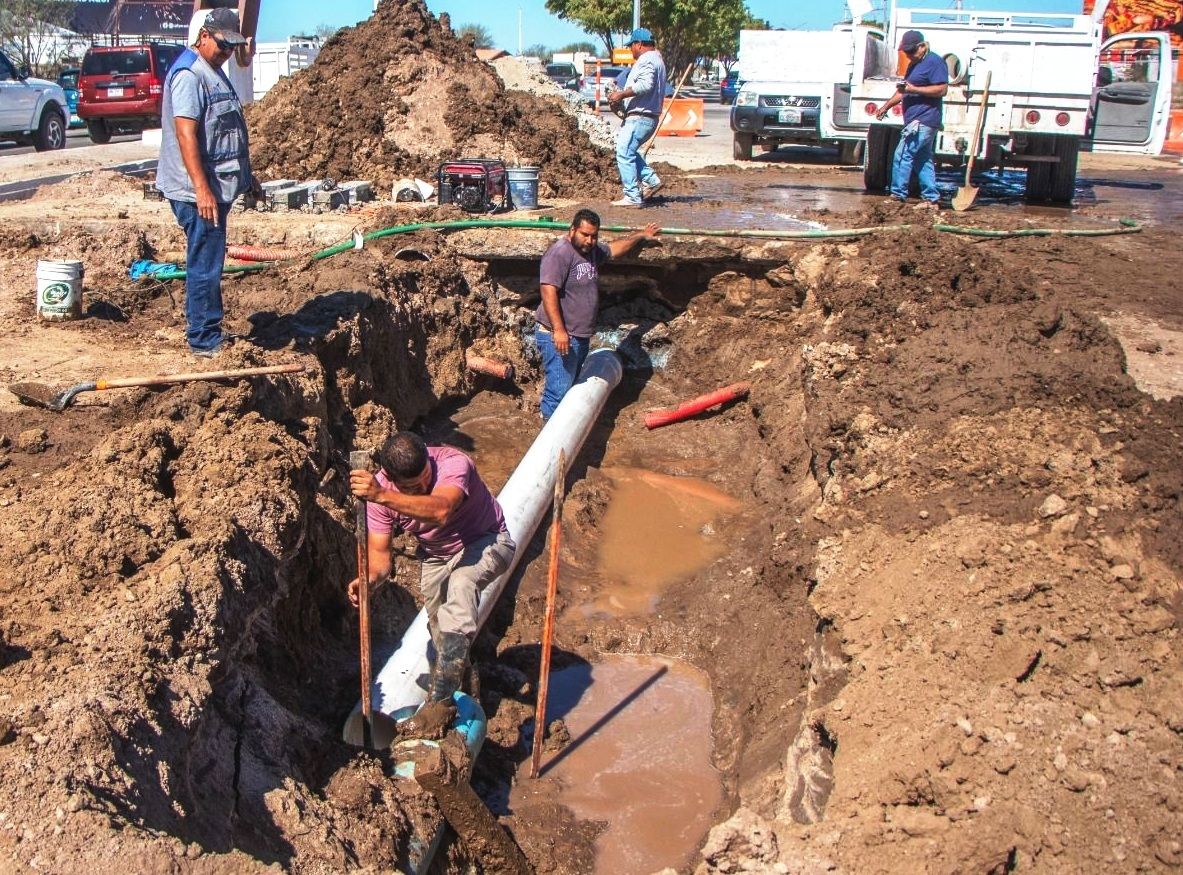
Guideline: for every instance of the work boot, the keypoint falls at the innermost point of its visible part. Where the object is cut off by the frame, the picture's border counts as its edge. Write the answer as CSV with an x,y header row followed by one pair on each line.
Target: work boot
x,y
451,663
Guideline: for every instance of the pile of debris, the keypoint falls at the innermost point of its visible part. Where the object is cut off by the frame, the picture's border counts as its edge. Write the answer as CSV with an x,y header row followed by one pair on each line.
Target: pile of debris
x,y
399,94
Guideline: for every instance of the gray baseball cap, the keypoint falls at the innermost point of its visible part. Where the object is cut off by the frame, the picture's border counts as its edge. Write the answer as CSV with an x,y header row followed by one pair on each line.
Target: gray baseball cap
x,y
225,23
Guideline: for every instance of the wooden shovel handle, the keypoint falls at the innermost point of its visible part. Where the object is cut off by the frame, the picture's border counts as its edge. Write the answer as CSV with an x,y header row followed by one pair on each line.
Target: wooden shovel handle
x,y
979,127
192,378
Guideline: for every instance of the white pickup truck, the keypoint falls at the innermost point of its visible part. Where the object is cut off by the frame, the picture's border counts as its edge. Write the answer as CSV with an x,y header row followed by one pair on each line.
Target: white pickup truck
x,y
796,88
31,110
1056,87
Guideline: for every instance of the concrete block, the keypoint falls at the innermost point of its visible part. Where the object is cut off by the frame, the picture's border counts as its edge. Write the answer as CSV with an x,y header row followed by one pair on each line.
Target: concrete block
x,y
359,191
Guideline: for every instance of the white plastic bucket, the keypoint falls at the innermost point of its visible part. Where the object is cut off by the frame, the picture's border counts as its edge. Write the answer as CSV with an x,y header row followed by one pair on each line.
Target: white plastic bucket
x,y
523,187
59,290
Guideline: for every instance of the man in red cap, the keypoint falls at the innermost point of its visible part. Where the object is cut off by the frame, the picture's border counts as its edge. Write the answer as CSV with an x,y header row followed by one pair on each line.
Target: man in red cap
x,y
925,84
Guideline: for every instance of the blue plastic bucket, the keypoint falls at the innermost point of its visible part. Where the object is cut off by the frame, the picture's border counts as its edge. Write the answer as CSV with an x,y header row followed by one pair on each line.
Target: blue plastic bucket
x,y
523,187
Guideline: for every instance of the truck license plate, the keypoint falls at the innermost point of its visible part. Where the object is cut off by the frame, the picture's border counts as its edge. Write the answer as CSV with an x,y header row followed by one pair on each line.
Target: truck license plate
x,y
114,92
789,117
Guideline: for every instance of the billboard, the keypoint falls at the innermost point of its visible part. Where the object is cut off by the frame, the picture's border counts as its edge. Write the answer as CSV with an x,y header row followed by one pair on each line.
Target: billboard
x,y
1123,16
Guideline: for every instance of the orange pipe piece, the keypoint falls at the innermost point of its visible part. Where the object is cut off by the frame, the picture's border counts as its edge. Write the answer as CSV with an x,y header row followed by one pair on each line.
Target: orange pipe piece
x,y
658,418
492,367
259,253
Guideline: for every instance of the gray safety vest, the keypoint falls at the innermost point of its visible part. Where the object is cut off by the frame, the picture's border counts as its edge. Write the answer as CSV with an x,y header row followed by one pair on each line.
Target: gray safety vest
x,y
221,136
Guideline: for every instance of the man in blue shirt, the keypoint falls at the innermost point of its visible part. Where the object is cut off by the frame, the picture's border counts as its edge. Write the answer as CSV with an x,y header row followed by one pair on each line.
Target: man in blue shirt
x,y
925,84
204,165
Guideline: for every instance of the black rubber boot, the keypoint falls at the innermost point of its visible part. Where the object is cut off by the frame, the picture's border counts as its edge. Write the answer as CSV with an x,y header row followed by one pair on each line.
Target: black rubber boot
x,y
450,665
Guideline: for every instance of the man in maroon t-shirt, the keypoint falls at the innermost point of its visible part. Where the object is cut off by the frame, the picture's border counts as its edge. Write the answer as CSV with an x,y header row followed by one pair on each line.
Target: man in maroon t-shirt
x,y
436,494
569,280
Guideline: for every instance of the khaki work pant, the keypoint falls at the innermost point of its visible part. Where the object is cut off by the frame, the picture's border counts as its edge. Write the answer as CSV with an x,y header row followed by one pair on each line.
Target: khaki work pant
x,y
451,587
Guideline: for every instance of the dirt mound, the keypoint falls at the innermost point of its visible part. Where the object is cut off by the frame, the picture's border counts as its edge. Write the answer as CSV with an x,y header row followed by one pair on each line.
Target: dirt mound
x,y
397,95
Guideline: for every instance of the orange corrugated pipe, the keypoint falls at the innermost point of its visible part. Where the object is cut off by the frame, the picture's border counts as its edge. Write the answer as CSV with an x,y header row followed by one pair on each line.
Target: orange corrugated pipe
x,y
482,365
658,418
259,253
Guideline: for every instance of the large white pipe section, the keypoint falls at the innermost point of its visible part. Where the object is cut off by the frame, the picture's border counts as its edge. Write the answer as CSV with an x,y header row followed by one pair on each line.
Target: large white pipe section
x,y
524,500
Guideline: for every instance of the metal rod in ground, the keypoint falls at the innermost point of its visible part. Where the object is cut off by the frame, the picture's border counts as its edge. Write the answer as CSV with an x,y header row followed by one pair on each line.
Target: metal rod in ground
x,y
548,624
359,460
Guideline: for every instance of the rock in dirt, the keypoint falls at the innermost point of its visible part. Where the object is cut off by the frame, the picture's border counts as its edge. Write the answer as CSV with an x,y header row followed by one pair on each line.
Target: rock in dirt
x,y
1053,506
32,441
397,95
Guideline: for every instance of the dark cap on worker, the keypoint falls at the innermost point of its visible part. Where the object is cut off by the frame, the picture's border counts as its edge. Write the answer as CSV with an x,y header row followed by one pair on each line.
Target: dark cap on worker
x,y
225,23
641,35
911,40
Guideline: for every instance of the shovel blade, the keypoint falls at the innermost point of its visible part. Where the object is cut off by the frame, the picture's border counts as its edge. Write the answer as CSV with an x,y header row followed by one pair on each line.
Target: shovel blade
x,y
965,197
38,395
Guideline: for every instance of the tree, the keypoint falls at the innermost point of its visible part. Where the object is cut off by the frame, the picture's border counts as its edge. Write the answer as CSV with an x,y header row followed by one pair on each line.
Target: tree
x,y
477,34
326,31
723,40
30,29
575,48
683,29
538,50
601,18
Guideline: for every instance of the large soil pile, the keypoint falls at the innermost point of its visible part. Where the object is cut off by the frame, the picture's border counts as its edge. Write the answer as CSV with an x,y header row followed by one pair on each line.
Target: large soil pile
x,y
397,95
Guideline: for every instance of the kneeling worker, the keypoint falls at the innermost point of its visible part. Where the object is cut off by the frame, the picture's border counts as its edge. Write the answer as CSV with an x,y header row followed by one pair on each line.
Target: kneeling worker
x,y
436,494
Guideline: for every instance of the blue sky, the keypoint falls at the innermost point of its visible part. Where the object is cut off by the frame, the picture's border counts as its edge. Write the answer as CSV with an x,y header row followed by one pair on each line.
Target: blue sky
x,y
281,18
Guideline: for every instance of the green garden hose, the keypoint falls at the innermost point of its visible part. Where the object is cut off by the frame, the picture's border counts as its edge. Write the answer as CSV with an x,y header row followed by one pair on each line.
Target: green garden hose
x,y
547,224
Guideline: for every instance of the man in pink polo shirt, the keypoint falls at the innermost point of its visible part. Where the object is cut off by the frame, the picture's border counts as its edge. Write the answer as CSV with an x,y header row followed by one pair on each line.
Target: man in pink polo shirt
x,y
436,494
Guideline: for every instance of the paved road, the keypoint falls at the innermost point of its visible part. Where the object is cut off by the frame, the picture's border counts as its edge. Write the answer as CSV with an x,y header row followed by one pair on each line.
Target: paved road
x,y
75,138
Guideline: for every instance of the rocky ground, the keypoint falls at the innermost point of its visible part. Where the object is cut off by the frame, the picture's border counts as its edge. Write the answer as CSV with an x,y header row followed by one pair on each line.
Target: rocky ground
x,y
943,637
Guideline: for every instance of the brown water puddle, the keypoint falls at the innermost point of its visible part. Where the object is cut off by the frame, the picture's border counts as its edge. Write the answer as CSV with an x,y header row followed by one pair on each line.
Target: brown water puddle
x,y
657,529
639,760
496,441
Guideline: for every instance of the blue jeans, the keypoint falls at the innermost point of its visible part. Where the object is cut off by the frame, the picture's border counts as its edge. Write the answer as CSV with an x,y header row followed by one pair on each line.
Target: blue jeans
x,y
561,370
915,151
634,171
205,253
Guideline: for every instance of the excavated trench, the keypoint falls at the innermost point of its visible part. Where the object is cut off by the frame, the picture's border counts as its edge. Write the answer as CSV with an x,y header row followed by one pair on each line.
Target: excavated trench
x,y
220,725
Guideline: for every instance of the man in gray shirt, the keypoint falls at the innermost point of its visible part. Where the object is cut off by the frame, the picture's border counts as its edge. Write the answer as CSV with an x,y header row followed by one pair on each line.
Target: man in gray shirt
x,y
643,96
569,283
204,165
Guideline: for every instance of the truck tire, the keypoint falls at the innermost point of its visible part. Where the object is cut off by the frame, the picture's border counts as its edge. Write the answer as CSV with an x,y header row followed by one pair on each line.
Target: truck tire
x,y
1063,173
741,147
850,152
51,132
881,143
98,131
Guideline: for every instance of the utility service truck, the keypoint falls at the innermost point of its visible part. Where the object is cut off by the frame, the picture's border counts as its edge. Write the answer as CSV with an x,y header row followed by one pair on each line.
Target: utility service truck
x,y
796,88
1056,87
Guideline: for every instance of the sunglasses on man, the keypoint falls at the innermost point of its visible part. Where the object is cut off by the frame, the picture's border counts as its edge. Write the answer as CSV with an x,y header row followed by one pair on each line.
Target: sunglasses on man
x,y
222,44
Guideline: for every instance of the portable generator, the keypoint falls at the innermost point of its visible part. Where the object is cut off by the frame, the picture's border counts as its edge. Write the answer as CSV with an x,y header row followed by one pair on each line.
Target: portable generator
x,y
476,185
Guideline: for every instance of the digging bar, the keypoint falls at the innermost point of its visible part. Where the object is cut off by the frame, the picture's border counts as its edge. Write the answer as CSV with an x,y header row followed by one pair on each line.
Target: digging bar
x,y
40,395
666,112
359,460
967,194
548,624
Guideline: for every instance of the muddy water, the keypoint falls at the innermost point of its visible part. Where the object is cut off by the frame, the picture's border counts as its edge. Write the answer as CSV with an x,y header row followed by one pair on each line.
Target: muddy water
x,y
639,760
656,530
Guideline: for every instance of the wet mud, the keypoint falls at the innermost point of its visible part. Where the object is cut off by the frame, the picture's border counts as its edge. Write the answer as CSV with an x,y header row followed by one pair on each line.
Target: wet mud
x,y
932,577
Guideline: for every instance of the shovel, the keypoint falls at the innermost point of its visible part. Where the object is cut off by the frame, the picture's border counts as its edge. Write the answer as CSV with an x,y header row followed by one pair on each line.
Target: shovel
x,y
967,194
40,395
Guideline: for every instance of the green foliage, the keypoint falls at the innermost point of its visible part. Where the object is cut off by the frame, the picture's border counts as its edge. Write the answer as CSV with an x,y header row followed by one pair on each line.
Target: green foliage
x,y
603,18
27,29
538,50
477,34
585,46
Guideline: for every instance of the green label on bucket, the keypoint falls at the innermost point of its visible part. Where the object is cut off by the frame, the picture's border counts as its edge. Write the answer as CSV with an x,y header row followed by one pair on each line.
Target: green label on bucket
x,y
55,293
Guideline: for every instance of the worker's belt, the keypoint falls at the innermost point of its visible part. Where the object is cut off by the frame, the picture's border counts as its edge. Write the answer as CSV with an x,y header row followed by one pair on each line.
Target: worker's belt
x,y
641,113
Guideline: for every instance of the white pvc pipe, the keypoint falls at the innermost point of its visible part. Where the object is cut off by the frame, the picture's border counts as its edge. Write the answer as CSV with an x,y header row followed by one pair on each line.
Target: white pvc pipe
x,y
524,500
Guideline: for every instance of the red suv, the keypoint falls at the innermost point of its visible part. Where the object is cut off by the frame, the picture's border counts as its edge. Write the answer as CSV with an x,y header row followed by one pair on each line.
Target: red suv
x,y
121,88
